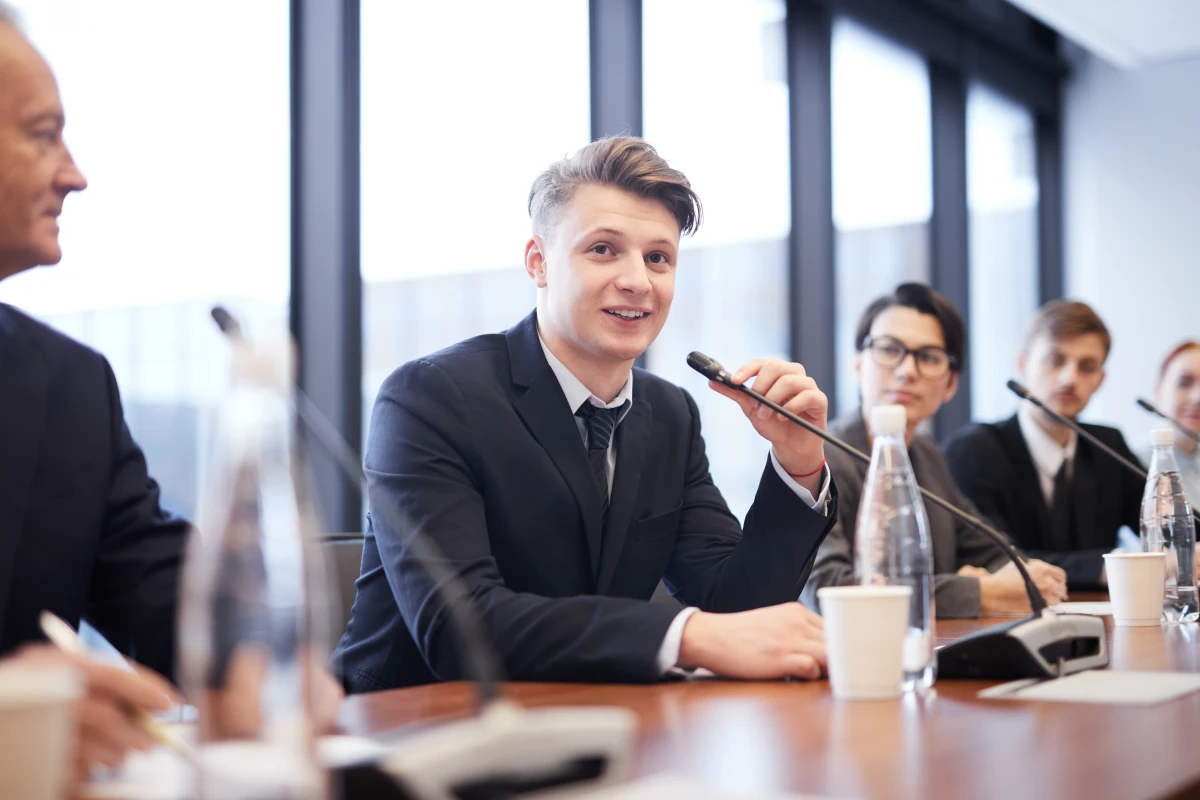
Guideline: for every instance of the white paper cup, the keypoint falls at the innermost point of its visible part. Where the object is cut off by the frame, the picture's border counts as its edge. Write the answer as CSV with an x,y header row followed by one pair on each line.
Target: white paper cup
x,y
37,730
1135,587
864,639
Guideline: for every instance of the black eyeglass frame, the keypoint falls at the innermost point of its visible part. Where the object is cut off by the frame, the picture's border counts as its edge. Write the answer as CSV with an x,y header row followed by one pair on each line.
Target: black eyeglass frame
x,y
951,361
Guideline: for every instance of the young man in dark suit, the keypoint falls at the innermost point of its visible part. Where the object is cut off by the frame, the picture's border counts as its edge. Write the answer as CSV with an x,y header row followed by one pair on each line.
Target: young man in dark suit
x,y
1059,497
562,483
911,352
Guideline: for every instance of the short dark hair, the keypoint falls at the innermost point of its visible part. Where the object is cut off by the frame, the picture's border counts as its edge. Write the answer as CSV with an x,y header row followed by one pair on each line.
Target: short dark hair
x,y
1067,319
623,162
925,300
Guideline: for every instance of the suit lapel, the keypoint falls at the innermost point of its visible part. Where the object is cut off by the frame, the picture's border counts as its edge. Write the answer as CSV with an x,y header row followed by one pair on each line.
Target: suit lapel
x,y
632,442
1028,488
22,420
544,409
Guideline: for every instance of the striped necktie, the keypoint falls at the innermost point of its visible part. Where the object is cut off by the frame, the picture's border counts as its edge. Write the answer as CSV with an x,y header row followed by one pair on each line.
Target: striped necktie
x,y
601,422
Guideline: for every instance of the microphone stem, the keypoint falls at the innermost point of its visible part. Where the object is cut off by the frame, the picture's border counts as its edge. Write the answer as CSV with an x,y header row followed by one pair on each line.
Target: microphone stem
x,y
1079,429
1179,426
1036,601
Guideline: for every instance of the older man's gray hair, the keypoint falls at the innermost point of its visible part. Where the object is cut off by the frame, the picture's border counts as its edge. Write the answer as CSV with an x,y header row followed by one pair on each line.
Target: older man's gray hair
x,y
9,14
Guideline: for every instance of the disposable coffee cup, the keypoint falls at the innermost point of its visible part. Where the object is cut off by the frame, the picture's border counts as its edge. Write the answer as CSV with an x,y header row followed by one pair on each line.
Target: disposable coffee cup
x,y
1135,587
37,730
864,639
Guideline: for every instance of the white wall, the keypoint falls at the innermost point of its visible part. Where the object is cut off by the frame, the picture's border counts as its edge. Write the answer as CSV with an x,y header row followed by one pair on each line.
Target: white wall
x,y
1132,205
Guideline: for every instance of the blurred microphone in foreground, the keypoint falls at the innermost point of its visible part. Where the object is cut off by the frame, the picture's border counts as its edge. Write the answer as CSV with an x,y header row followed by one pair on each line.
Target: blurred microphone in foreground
x,y
504,751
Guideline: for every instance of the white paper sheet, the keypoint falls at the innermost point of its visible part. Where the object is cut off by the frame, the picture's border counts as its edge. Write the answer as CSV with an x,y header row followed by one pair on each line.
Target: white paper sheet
x,y
1100,686
675,787
1096,609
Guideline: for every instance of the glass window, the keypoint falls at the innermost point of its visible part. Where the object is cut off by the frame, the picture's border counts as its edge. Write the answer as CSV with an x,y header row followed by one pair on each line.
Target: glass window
x,y
882,179
187,158
1002,193
462,107
723,120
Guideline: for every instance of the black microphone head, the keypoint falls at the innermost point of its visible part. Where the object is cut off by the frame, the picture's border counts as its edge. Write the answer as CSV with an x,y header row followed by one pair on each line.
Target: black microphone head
x,y
1019,390
225,321
1146,405
708,367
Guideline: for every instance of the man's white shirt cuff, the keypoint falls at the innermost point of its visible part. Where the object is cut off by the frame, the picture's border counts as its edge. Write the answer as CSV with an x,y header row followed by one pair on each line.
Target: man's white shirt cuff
x,y
668,653
818,504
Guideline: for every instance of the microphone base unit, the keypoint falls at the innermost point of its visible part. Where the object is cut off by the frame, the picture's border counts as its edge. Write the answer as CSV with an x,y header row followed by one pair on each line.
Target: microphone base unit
x,y
506,751
1045,645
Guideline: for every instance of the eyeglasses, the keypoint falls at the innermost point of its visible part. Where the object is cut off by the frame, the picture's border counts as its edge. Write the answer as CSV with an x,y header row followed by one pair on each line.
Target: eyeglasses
x,y
932,362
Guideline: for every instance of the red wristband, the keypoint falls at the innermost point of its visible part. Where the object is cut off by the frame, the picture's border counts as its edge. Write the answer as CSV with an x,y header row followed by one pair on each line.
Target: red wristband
x,y
808,474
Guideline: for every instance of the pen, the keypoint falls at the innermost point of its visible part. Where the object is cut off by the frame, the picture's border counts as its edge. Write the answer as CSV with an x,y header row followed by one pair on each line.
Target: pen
x,y
66,639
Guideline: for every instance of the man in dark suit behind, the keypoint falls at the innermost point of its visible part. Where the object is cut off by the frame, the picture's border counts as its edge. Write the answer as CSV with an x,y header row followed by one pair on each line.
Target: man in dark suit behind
x,y
81,530
1059,497
562,484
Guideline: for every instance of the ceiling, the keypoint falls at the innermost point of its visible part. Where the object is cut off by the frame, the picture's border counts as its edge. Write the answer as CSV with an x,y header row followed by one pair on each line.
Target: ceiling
x,y
1128,33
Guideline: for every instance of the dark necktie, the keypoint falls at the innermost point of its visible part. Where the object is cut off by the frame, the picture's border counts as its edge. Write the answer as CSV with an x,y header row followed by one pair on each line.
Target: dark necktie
x,y
1062,523
601,422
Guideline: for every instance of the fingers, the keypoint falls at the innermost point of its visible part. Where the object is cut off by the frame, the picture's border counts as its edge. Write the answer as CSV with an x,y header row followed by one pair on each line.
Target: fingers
x,y
144,689
802,666
107,731
1041,567
94,751
748,404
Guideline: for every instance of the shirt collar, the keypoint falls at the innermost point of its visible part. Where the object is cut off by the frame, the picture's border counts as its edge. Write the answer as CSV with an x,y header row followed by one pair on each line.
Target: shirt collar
x,y
1047,454
578,394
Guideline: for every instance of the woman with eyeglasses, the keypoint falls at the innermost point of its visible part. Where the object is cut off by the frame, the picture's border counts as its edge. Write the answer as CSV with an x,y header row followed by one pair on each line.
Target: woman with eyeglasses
x,y
911,346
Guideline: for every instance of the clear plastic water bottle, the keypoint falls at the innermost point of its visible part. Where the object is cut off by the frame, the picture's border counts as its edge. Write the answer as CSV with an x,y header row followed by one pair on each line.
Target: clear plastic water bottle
x,y
1167,525
892,544
253,613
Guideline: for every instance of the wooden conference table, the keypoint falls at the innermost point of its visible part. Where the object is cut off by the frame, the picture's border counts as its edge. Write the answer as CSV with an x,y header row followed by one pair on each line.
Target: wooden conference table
x,y
759,738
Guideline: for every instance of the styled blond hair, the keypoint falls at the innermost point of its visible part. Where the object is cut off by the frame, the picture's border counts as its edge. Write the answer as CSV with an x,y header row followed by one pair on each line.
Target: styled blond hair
x,y
623,162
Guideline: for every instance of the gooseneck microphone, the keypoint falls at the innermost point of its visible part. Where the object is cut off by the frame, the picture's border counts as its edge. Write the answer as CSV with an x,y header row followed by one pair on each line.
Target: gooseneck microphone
x,y
712,370
1023,393
1179,426
481,660
1042,645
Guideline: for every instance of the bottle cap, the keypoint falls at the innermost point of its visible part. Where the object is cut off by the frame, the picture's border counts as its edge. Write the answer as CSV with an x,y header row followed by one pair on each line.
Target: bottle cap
x,y
888,420
1162,437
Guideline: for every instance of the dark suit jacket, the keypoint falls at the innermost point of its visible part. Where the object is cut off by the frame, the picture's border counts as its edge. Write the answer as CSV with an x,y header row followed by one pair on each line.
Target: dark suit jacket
x,y
991,464
479,446
81,531
954,542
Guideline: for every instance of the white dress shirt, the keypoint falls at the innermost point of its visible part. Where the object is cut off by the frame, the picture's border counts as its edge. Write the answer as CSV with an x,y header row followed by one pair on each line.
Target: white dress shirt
x,y
577,394
1048,455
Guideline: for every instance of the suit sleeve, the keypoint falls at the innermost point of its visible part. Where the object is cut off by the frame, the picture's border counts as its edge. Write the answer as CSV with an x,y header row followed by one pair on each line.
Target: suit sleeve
x,y
954,595
135,578
423,479
720,566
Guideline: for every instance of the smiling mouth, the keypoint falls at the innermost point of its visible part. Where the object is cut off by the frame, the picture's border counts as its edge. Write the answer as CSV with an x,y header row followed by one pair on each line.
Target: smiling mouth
x,y
627,314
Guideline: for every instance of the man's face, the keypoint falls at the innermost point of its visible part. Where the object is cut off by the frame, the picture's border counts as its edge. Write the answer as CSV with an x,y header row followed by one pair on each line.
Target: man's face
x,y
1064,373
605,274
36,171
904,383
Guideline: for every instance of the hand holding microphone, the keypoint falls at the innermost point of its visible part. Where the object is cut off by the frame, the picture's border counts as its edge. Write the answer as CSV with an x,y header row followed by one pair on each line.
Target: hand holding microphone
x,y
800,453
